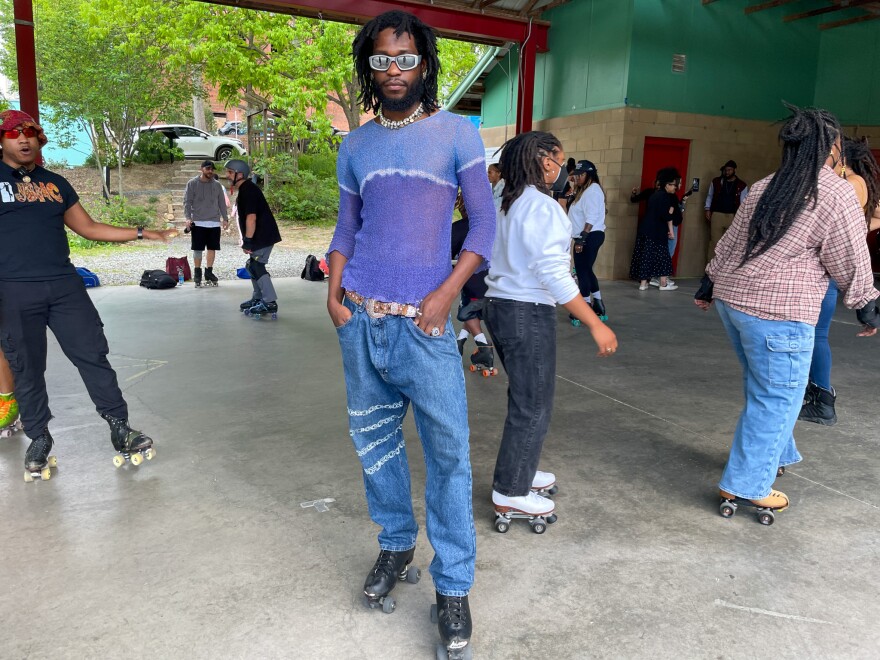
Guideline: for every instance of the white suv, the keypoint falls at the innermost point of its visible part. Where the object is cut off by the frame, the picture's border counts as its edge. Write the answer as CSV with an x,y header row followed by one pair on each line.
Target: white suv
x,y
198,144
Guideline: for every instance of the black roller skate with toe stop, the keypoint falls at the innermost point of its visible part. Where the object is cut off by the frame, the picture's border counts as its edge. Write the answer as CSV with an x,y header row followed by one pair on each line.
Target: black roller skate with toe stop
x,y
452,614
263,308
599,308
210,278
130,444
247,304
461,342
389,569
37,462
483,360
197,276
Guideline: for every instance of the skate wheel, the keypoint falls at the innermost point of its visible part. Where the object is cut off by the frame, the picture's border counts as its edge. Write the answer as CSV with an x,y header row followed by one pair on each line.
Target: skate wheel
x,y
118,460
501,526
388,605
247,312
150,454
486,373
472,368
494,371
274,317
442,653
28,477
553,490
45,474
576,323
552,519
413,575
5,433
539,527
766,517
136,459
53,461
727,510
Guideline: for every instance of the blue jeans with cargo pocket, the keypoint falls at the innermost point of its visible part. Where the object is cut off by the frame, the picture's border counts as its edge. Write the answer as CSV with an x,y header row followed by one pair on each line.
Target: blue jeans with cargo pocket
x,y
390,363
775,356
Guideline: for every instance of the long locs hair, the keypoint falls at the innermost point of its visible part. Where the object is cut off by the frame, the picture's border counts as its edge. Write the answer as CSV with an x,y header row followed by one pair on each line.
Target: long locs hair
x,y
807,139
521,164
426,43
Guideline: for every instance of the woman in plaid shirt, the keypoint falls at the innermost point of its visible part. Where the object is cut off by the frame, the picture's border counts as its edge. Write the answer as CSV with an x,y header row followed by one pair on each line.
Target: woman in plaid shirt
x,y
769,275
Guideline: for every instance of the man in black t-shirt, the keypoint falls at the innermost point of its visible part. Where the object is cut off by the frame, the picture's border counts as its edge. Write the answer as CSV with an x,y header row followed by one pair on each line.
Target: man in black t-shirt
x,y
40,288
259,233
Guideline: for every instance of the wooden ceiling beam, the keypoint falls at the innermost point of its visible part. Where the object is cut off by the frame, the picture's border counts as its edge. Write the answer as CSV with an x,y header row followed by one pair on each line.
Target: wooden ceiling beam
x,y
770,4
826,10
848,21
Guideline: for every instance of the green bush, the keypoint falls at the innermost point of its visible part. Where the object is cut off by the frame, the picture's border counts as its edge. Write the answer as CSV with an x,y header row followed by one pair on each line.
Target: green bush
x,y
152,147
304,197
321,165
118,213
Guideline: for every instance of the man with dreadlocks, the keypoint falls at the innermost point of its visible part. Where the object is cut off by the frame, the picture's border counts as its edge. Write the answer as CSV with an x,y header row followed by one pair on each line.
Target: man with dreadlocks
x,y
770,272
391,287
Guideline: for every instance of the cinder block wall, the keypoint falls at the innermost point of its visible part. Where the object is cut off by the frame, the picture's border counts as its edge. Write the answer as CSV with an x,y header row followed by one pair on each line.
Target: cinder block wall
x,y
614,140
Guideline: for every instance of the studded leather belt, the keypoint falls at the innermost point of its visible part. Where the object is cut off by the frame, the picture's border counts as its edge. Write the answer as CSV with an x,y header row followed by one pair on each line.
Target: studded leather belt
x,y
376,309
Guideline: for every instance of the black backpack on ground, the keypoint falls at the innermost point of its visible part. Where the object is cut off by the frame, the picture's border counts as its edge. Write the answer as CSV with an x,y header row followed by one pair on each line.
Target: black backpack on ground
x,y
312,271
157,279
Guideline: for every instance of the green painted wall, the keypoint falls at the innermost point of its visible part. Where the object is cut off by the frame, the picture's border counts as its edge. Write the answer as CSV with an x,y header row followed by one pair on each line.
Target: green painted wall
x,y
848,79
499,99
737,65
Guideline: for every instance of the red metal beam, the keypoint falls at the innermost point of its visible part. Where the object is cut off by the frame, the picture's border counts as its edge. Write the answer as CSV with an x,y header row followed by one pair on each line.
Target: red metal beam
x,y
526,97
25,54
461,23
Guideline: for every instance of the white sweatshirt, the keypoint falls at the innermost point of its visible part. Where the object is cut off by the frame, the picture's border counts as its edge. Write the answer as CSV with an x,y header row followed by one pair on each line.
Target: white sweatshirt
x,y
530,257
589,209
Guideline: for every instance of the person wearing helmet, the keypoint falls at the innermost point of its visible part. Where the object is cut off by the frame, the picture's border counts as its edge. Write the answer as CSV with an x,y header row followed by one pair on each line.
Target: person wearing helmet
x,y
259,233
40,289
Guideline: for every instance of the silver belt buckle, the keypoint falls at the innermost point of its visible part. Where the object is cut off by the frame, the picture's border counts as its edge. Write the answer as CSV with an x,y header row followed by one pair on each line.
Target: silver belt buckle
x,y
370,306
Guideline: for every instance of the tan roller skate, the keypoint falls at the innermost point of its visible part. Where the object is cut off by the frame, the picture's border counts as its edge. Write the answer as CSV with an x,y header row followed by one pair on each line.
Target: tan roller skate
x,y
766,507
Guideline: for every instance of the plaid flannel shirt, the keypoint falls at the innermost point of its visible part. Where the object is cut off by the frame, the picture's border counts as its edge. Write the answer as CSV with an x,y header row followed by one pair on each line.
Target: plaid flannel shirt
x,y
788,281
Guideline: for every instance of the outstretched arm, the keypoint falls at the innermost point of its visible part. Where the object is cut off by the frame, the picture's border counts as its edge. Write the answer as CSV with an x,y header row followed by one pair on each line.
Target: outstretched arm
x,y
79,221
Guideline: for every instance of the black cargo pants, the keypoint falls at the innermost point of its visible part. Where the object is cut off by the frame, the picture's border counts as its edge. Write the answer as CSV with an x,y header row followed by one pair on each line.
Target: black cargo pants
x,y
26,310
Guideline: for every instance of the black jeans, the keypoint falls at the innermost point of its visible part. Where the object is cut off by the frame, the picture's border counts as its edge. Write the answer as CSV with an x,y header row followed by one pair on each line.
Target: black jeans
x,y
583,263
524,335
26,310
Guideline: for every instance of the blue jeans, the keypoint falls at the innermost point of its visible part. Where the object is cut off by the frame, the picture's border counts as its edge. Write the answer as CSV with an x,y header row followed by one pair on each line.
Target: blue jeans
x,y
524,335
775,356
820,369
389,363
672,241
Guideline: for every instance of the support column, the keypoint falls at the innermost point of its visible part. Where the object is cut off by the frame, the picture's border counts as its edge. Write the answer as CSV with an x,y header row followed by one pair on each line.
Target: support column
x,y
526,81
25,54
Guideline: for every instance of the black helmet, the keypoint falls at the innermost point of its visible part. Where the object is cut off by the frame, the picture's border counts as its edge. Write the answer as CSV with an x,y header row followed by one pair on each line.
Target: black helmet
x,y
237,165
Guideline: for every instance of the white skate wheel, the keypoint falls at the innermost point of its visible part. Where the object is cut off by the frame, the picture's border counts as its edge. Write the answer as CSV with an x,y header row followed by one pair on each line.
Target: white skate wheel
x,y
5,433
53,461
28,477
118,460
136,459
150,454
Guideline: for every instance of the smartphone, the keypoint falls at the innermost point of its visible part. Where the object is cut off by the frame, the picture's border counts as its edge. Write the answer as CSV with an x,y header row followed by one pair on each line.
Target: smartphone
x,y
695,186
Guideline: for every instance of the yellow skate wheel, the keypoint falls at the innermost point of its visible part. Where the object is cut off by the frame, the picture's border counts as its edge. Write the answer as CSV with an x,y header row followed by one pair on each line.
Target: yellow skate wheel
x,y
28,477
136,459
150,454
118,460
45,474
53,461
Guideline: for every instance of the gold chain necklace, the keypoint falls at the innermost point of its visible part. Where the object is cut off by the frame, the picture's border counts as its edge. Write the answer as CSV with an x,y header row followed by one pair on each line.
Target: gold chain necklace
x,y
394,124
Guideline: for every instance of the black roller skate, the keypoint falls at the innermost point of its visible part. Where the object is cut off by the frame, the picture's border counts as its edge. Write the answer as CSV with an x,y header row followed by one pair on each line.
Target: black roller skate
x,y
575,321
197,276
599,308
483,360
389,569
131,445
262,308
452,614
37,462
247,304
210,278
461,342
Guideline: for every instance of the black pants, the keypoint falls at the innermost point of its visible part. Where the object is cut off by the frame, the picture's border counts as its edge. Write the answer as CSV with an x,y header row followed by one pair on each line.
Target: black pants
x,y
524,335
26,310
583,263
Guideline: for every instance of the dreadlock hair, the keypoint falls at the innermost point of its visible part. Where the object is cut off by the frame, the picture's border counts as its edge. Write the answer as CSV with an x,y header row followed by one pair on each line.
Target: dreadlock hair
x,y
861,161
807,139
521,164
426,44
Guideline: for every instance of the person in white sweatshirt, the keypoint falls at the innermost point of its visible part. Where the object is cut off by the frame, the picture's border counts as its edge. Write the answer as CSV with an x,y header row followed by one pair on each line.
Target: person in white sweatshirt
x,y
587,217
529,275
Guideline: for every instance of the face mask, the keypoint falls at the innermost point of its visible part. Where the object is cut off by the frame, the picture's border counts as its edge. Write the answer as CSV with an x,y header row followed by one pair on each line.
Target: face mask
x,y
559,185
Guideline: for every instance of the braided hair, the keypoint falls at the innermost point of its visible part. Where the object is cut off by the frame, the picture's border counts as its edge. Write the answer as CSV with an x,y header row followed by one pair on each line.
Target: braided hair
x,y
807,139
426,44
861,161
521,164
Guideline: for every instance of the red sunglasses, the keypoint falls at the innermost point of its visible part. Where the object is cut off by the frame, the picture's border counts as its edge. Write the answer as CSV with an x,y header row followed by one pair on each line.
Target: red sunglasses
x,y
13,133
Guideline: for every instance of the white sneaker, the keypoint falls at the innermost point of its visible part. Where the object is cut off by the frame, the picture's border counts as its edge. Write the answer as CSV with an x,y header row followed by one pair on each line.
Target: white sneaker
x,y
643,287
655,281
532,503
543,480
670,286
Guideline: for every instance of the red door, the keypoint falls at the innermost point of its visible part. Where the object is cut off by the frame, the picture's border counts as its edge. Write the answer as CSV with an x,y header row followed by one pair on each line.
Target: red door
x,y
666,152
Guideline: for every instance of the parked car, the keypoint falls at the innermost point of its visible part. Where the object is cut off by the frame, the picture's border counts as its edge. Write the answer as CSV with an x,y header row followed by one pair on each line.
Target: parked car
x,y
232,128
198,144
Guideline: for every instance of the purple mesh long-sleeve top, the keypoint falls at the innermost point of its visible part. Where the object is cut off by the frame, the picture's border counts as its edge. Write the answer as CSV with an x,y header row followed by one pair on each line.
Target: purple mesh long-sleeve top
x,y
397,191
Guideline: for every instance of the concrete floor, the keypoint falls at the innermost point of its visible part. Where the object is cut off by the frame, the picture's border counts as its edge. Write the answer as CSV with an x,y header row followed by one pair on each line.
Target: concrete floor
x,y
208,551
